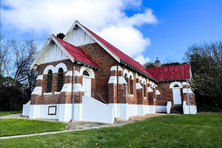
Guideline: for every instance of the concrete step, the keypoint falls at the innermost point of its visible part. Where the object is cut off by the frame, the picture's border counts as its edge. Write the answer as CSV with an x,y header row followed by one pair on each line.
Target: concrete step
x,y
177,109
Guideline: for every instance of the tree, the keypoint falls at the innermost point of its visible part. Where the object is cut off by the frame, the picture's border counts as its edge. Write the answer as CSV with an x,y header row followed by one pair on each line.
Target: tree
x,y
149,65
206,64
23,53
4,55
60,35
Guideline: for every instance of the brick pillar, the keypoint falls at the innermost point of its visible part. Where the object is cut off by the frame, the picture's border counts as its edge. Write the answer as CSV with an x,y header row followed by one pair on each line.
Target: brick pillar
x,y
139,91
122,87
112,85
191,96
150,95
36,96
145,100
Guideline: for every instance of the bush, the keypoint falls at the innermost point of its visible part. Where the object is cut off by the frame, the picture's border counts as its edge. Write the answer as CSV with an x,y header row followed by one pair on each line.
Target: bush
x,y
12,98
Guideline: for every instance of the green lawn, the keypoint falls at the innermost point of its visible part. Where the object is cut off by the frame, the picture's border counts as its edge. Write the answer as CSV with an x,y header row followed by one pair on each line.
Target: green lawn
x,y
10,127
202,130
4,113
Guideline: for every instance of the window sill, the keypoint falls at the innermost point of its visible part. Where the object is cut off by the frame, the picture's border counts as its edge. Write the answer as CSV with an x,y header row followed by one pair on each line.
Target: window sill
x,y
144,97
131,95
56,93
48,93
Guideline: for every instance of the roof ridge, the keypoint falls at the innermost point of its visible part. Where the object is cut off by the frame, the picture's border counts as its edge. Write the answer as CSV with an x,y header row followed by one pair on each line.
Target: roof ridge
x,y
120,52
80,49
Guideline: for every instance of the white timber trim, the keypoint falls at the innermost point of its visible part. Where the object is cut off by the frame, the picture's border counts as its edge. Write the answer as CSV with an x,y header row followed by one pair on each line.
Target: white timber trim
x,y
174,83
78,87
112,79
120,68
69,73
138,86
150,89
57,93
158,92
189,90
131,74
89,34
39,57
113,68
89,70
61,65
67,87
125,71
37,90
40,77
122,80
50,93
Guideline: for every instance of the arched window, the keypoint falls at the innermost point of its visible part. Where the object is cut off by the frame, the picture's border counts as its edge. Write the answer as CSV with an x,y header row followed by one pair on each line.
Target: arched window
x,y
131,85
176,85
126,77
49,81
144,89
60,80
85,73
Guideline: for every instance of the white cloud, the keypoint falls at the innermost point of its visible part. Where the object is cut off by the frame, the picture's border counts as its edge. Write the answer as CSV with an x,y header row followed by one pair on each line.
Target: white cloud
x,y
141,59
105,17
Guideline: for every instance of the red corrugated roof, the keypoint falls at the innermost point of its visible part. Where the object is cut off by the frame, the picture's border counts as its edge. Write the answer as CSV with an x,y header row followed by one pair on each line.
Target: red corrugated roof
x,y
77,53
119,53
169,73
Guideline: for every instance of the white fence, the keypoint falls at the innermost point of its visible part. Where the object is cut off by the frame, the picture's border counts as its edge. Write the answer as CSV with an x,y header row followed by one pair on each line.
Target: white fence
x,y
93,110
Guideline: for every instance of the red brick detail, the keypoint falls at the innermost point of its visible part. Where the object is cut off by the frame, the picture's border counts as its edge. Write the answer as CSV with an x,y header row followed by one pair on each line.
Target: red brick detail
x,y
51,99
105,61
78,97
112,93
36,99
68,79
113,73
140,96
151,98
78,79
191,98
120,73
122,93
38,82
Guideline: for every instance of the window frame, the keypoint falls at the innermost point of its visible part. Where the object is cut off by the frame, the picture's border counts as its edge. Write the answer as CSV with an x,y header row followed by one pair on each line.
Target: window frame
x,y
60,80
131,85
49,81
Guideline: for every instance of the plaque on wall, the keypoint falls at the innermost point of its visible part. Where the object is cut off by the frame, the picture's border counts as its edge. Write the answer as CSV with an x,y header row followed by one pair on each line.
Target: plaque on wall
x,y
52,110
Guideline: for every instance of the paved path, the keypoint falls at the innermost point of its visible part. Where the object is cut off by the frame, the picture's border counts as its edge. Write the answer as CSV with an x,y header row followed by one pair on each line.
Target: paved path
x,y
80,125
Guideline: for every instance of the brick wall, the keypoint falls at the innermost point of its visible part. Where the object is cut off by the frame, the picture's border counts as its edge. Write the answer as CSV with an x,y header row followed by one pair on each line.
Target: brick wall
x,y
105,61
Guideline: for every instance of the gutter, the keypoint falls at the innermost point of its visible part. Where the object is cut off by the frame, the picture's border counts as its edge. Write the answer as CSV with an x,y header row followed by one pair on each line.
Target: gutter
x,y
137,70
73,93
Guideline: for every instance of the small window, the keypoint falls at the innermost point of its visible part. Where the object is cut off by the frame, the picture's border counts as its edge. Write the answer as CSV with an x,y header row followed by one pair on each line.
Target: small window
x,y
85,73
144,89
176,85
126,77
131,85
60,80
49,81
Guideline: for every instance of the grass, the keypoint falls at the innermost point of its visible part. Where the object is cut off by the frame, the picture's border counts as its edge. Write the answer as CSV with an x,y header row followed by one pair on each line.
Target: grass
x,y
9,127
202,130
4,113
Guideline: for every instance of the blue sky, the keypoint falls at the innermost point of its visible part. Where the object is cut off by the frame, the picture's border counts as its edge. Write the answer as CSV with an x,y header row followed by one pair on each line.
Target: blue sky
x,y
142,29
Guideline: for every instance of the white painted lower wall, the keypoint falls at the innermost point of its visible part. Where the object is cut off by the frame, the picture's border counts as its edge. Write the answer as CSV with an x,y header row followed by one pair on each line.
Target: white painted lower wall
x,y
25,109
124,111
63,112
94,110
161,109
189,109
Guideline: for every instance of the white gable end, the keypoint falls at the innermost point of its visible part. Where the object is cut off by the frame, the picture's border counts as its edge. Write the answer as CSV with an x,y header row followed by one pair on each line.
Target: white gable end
x,y
78,37
53,53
